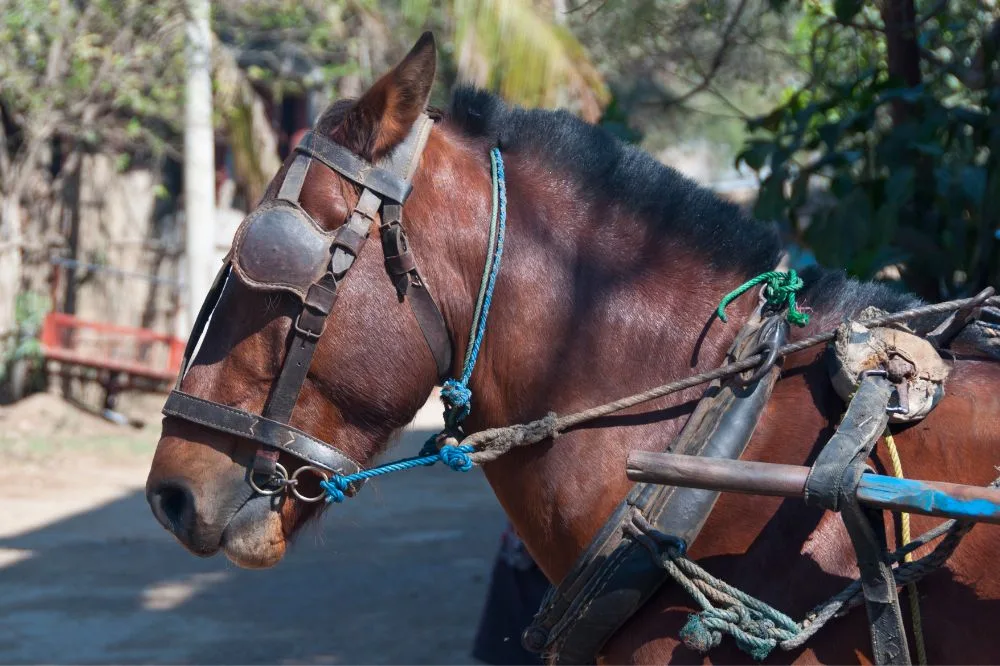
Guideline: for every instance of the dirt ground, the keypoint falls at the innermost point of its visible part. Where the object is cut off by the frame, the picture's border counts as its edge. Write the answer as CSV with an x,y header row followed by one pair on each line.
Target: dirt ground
x,y
87,575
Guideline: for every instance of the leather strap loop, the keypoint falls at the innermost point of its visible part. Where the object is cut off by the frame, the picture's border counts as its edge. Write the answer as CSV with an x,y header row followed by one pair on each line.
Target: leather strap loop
x,y
832,484
400,264
322,295
349,239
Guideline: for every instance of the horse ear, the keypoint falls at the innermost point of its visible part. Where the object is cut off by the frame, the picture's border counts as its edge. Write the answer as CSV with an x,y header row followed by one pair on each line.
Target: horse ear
x,y
383,116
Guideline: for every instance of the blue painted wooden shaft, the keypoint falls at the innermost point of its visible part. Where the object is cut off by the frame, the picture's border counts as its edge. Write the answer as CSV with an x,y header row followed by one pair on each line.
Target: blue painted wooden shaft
x,y
930,498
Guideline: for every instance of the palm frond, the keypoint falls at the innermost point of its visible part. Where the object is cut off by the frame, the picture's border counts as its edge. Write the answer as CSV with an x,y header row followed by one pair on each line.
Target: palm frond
x,y
510,47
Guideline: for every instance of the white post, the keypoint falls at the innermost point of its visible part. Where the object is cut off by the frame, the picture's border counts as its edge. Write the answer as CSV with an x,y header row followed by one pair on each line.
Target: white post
x,y
199,161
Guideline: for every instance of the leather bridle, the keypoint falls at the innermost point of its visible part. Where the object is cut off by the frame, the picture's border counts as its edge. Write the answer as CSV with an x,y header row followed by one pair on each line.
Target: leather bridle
x,y
280,247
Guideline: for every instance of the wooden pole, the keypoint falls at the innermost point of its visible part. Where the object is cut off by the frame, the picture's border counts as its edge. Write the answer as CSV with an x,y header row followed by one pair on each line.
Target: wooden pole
x,y
930,498
199,162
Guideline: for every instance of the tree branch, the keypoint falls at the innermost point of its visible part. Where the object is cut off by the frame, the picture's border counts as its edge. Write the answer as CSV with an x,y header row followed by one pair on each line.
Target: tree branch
x,y
717,59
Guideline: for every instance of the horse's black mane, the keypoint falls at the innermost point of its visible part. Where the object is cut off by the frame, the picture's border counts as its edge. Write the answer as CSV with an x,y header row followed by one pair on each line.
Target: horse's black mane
x,y
612,170
695,215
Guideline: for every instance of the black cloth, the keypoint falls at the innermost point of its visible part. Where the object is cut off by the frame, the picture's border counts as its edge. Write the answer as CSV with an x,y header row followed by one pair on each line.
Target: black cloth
x,y
516,589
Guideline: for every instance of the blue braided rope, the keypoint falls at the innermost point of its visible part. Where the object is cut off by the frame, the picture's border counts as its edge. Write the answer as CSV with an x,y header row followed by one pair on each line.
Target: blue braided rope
x,y
456,393
455,457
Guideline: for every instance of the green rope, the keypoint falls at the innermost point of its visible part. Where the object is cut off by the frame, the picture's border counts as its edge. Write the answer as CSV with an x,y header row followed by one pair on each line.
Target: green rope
x,y
779,291
756,626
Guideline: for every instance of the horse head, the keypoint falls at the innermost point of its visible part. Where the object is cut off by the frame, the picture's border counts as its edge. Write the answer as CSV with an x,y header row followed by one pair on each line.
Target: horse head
x,y
372,365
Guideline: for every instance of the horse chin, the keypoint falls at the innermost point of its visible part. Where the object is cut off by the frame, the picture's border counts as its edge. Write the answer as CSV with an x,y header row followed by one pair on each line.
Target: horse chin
x,y
254,538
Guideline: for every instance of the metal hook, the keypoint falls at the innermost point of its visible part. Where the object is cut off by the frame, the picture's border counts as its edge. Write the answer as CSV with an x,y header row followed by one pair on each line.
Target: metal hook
x,y
772,336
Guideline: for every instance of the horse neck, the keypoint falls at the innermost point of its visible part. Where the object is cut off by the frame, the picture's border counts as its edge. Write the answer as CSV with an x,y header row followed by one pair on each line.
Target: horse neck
x,y
591,304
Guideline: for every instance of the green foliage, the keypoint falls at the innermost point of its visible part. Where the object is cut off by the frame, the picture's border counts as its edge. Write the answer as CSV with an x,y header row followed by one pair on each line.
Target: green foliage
x,y
30,308
514,47
688,71
99,71
870,174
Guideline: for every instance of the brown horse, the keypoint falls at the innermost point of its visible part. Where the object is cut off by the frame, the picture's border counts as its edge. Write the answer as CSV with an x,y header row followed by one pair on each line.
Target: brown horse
x,y
612,270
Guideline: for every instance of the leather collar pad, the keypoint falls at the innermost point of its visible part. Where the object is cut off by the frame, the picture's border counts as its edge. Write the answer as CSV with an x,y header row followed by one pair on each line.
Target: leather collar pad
x,y
617,574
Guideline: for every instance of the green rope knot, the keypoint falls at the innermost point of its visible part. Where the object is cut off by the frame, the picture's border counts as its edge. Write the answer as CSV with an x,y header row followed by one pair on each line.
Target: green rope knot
x,y
779,292
703,631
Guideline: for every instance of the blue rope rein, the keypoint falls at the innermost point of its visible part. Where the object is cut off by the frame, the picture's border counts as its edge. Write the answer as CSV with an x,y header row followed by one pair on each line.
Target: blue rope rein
x,y
455,457
455,393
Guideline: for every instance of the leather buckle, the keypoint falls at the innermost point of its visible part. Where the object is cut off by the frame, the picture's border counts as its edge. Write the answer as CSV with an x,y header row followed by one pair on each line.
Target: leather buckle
x,y
301,325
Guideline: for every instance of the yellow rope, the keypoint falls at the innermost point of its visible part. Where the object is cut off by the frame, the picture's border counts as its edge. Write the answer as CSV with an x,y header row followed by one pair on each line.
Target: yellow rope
x,y
911,588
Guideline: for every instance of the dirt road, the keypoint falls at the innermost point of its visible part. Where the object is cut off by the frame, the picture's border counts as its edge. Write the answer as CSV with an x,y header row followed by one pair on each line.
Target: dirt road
x,y
88,576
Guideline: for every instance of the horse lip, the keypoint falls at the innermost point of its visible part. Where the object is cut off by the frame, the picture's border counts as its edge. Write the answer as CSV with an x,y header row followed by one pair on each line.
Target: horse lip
x,y
233,543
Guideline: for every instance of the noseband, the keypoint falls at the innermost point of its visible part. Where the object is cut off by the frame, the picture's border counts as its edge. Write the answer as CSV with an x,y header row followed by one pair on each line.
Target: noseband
x,y
280,247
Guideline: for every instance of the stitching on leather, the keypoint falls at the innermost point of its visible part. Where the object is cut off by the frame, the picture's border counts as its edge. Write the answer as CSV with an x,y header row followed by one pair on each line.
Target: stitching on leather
x,y
598,587
236,250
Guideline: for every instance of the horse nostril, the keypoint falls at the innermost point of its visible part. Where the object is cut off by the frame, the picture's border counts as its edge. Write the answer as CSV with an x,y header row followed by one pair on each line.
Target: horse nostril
x,y
173,505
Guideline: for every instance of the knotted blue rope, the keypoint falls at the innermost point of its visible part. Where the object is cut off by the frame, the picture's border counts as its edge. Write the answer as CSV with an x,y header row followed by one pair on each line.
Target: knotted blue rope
x,y
455,457
455,393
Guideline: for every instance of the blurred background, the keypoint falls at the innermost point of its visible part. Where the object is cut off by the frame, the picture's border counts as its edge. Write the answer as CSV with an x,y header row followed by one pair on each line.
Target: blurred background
x,y
135,135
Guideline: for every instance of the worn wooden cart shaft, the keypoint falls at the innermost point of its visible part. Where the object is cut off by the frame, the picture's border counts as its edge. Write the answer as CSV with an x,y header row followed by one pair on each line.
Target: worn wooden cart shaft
x,y
931,498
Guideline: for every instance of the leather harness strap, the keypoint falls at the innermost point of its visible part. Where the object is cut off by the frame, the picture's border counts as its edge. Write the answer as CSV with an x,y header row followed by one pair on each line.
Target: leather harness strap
x,y
388,185
401,266
617,574
384,187
259,429
832,484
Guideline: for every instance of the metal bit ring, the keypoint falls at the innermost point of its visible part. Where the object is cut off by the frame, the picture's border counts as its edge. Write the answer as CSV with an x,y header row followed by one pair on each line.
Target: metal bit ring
x,y
280,479
294,483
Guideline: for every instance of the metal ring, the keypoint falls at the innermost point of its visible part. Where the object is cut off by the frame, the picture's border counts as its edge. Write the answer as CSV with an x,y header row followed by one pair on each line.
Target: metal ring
x,y
280,472
322,473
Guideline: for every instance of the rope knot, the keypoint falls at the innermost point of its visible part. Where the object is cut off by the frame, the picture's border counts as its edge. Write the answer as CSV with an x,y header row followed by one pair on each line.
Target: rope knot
x,y
703,631
697,636
780,289
458,397
335,488
456,457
